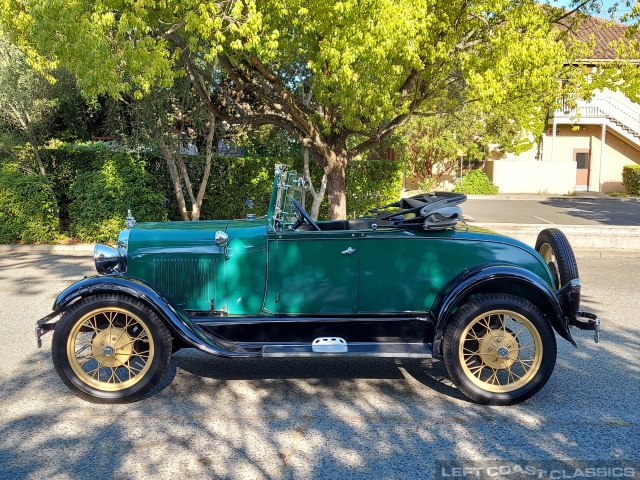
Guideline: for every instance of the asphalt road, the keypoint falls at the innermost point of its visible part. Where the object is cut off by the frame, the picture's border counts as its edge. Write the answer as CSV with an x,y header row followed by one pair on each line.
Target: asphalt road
x,y
553,210
326,419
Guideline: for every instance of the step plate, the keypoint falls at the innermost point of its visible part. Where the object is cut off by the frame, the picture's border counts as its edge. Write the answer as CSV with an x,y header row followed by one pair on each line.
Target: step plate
x,y
389,350
329,345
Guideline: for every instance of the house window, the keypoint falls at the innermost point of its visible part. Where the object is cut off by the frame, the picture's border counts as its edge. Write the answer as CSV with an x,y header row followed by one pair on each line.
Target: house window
x,y
582,160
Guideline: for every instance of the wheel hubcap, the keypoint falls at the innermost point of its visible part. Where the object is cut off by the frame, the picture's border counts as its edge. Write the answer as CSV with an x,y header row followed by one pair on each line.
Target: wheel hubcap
x,y
499,349
112,347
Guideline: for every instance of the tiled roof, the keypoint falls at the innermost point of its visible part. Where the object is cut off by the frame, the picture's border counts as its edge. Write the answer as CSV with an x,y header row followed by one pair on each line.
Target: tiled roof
x,y
604,32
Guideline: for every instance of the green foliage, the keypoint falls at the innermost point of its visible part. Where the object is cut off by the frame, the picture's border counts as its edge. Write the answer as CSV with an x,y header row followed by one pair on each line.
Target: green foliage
x,y
241,181
100,198
631,179
476,182
372,183
340,76
26,209
96,185
238,186
427,184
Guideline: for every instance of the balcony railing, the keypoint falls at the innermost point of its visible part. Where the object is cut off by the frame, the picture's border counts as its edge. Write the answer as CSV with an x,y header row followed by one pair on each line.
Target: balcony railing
x,y
604,107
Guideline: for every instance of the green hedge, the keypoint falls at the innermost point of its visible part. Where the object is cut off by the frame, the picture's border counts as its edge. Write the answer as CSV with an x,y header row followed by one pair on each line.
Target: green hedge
x,y
631,179
476,182
100,198
372,183
26,207
237,183
95,186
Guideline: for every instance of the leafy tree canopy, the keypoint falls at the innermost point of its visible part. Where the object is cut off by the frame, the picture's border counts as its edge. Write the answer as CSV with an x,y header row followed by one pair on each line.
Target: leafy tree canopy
x,y
340,76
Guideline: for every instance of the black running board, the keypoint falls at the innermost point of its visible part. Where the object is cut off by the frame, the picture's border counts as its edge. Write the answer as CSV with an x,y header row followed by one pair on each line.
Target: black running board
x,y
389,350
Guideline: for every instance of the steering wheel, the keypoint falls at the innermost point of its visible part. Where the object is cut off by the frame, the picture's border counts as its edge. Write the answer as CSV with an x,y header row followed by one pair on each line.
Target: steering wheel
x,y
303,218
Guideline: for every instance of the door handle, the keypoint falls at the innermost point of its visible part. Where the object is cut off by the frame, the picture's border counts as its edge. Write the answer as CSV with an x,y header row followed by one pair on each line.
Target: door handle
x,y
348,251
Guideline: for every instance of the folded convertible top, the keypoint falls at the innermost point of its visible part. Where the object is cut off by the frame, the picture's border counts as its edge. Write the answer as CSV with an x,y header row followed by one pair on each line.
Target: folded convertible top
x,y
429,211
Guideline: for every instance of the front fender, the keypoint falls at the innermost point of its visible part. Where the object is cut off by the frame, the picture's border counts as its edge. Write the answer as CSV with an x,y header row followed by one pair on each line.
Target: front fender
x,y
486,279
174,317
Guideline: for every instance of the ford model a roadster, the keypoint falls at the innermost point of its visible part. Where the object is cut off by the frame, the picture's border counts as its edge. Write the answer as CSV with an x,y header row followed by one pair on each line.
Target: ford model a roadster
x,y
407,282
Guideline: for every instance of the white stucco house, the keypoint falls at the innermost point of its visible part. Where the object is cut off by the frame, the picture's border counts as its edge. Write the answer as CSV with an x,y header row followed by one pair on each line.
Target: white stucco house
x,y
584,149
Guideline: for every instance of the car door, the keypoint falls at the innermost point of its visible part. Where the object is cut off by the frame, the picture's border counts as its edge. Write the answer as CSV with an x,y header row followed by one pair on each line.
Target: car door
x,y
312,273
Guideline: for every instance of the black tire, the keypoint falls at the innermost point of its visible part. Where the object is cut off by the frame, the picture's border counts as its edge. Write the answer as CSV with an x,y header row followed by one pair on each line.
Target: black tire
x,y
554,247
499,349
110,348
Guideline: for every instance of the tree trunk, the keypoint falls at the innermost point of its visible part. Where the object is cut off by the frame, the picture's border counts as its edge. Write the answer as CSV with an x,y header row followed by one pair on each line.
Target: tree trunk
x,y
336,187
175,178
197,206
319,195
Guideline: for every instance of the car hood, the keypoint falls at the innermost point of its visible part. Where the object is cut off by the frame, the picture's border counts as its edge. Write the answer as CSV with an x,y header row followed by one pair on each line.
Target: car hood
x,y
196,237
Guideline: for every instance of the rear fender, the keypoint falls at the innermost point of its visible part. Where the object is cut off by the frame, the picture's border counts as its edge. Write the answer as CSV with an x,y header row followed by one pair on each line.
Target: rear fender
x,y
176,319
487,279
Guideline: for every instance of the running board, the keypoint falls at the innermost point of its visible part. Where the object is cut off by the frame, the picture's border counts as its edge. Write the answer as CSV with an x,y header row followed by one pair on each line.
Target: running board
x,y
390,350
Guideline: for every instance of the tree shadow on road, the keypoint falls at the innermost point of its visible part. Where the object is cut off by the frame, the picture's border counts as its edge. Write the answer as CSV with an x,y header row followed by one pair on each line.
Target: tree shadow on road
x,y
310,418
284,418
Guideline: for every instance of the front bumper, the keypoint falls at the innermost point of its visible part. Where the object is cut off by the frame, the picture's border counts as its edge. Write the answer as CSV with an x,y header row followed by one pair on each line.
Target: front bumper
x,y
569,298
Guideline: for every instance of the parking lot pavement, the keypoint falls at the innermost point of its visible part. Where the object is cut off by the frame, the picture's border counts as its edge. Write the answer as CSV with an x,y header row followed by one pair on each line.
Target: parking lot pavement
x,y
314,418
589,211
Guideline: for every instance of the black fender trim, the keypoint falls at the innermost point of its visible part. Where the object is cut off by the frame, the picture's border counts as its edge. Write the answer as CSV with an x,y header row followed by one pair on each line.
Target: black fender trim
x,y
481,276
176,319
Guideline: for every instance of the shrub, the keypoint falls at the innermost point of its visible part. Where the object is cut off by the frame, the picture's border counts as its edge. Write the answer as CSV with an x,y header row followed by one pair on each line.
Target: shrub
x,y
26,207
476,182
631,179
96,185
371,183
100,198
237,183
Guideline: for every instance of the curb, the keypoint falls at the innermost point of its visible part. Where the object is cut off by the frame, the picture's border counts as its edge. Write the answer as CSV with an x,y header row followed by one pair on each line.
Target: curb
x,y
77,249
589,239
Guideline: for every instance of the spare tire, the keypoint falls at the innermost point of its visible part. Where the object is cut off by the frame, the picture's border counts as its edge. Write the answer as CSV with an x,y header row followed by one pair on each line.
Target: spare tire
x,y
553,246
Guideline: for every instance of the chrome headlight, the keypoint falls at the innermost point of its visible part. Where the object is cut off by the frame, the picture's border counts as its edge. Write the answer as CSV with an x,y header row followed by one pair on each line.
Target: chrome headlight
x,y
109,260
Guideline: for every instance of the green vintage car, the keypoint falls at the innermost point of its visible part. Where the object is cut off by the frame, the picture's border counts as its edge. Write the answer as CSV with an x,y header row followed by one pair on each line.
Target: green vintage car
x,y
410,281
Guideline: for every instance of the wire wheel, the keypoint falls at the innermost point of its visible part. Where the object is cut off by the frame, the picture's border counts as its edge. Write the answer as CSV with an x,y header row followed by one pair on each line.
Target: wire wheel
x,y
546,252
501,351
110,348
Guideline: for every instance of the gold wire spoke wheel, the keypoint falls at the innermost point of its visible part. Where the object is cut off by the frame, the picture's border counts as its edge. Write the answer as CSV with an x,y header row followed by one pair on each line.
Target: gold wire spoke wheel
x,y
547,253
500,351
110,349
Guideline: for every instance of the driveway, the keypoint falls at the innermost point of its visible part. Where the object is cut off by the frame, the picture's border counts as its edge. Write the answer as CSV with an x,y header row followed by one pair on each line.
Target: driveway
x,y
312,418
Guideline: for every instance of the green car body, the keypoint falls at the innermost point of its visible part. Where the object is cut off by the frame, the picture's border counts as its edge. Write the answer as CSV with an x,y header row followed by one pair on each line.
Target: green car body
x,y
276,286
